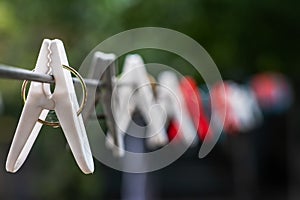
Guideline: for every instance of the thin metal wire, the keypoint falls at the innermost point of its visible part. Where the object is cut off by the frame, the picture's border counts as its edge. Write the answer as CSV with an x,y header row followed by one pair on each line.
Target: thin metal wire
x,y
10,72
15,73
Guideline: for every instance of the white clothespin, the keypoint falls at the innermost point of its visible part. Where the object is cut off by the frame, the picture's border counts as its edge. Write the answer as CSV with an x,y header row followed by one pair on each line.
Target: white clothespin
x,y
170,97
40,100
134,91
103,68
245,107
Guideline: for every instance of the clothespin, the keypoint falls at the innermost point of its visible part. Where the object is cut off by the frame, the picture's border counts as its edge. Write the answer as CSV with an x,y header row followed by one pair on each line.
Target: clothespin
x,y
171,98
103,68
137,94
243,112
195,106
273,92
247,108
40,100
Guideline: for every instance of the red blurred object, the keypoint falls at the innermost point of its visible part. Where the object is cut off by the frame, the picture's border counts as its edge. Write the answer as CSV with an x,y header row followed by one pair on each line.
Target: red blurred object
x,y
194,104
173,130
273,91
221,103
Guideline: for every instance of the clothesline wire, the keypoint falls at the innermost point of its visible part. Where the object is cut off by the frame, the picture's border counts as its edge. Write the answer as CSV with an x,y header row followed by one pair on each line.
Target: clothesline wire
x,y
15,73
10,72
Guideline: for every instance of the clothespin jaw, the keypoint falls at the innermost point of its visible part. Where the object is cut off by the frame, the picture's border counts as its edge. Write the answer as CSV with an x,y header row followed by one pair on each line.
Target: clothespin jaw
x,y
28,127
170,97
63,100
102,66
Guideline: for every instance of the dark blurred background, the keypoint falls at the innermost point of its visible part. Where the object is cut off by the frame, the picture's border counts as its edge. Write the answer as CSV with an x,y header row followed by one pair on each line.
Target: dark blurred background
x,y
243,37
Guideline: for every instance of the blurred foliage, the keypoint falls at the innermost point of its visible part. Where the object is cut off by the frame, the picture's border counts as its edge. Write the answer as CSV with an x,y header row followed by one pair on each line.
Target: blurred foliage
x,y
243,37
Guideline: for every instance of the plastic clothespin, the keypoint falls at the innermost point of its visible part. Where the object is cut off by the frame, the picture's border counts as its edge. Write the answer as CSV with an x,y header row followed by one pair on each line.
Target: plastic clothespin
x,y
134,92
40,100
194,103
103,68
243,112
273,91
170,97
245,106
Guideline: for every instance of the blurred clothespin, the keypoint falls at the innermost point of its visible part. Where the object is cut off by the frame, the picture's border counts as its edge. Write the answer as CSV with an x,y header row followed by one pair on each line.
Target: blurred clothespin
x,y
193,99
243,112
273,92
103,69
134,92
170,97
